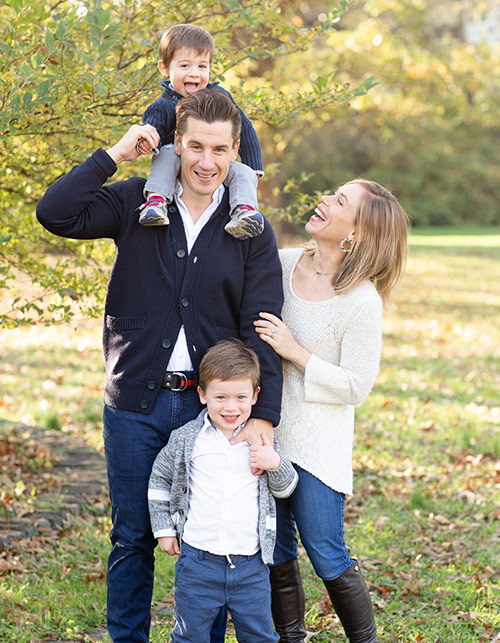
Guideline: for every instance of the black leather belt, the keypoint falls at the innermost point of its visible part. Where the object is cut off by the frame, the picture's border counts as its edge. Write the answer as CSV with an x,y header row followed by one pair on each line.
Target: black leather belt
x,y
176,381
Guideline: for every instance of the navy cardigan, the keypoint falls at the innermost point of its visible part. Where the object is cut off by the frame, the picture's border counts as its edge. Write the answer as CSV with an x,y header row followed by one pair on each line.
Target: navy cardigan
x,y
216,291
161,114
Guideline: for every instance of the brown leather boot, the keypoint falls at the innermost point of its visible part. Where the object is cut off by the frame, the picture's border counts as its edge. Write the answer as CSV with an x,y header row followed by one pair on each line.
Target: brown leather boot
x,y
288,602
353,605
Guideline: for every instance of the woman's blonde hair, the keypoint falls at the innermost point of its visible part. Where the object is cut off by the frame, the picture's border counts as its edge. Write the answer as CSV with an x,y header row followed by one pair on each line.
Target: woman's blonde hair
x,y
379,250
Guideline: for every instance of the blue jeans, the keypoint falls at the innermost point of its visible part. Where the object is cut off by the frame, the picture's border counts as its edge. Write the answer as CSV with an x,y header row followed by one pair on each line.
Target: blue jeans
x,y
206,582
132,442
317,512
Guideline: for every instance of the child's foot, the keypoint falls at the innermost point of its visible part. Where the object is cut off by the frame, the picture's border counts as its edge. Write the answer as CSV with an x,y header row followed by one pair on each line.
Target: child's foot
x,y
245,222
154,211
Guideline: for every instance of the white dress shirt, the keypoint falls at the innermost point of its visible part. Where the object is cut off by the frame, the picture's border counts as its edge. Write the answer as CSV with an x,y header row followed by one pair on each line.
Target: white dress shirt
x,y
180,359
223,496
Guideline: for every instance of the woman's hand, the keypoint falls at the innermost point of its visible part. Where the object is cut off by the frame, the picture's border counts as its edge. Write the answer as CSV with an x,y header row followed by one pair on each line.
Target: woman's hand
x,y
275,333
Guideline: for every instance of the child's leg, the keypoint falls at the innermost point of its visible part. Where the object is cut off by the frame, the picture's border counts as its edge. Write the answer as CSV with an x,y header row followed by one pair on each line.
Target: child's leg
x,y
198,595
160,186
162,178
242,183
246,220
249,593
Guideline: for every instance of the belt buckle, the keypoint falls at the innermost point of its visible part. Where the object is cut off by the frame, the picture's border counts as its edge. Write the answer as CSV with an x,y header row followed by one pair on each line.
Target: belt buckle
x,y
183,382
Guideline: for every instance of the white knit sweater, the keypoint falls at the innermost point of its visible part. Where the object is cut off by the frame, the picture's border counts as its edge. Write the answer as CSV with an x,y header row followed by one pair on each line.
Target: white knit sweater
x,y
344,335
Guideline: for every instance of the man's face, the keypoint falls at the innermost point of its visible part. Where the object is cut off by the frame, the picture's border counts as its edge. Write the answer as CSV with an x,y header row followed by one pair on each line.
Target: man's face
x,y
206,150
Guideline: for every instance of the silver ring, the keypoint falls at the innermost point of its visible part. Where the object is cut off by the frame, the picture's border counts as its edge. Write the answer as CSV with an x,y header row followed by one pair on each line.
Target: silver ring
x,y
273,333
137,146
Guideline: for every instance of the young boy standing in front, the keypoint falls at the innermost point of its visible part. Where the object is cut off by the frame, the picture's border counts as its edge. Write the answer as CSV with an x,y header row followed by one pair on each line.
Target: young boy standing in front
x,y
206,504
186,53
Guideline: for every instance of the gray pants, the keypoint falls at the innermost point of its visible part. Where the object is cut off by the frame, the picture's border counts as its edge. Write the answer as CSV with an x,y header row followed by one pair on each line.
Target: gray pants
x,y
165,166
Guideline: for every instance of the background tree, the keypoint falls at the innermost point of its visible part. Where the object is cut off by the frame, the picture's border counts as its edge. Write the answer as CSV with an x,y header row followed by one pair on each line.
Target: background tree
x,y
74,76
430,127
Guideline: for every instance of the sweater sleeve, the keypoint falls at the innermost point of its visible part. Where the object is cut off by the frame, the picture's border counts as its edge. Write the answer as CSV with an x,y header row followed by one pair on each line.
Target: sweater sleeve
x,y
79,206
159,488
161,114
352,379
250,150
283,480
263,291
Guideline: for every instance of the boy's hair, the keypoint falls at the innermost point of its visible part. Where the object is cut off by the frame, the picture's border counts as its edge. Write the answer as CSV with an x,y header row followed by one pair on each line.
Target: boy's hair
x,y
188,36
208,105
229,360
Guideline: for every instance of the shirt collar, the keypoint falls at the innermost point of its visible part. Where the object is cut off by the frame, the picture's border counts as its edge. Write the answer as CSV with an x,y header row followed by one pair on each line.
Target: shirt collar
x,y
216,196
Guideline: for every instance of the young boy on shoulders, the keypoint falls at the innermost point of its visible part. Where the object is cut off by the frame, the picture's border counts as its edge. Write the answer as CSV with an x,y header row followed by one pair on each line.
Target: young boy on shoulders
x,y
186,52
206,504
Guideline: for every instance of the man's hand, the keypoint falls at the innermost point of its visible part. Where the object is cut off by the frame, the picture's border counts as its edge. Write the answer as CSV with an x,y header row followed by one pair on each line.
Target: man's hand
x,y
252,433
169,544
264,456
140,139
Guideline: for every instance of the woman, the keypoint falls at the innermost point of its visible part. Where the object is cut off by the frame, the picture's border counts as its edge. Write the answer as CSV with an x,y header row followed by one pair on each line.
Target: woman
x,y
330,342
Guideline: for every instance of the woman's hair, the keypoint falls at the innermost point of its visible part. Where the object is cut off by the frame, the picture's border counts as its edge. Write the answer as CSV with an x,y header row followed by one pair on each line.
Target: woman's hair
x,y
228,360
188,36
379,249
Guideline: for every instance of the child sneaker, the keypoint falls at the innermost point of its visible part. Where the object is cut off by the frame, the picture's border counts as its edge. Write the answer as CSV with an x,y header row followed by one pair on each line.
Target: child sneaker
x,y
245,222
154,211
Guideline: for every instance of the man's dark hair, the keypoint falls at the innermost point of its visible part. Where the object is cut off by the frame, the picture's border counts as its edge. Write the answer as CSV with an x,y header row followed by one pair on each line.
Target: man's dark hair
x,y
208,105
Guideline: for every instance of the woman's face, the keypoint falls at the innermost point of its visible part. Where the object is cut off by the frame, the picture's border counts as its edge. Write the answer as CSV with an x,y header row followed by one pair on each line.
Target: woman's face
x,y
334,216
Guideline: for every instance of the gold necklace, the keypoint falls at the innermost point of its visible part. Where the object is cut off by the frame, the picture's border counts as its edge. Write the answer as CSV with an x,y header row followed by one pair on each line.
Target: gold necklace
x,y
324,274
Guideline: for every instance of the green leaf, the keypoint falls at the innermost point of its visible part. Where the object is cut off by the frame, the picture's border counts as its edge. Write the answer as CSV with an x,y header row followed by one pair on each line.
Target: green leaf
x,y
49,40
27,99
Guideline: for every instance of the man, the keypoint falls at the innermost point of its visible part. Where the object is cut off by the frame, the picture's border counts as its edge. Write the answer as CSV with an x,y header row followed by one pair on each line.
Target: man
x,y
173,292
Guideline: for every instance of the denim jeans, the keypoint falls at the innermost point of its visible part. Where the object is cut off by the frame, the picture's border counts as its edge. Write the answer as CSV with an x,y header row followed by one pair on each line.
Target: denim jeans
x,y
132,442
317,512
206,582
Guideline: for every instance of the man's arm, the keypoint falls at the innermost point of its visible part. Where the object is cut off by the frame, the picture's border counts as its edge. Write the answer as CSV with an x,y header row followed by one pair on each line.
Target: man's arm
x,y
263,287
80,206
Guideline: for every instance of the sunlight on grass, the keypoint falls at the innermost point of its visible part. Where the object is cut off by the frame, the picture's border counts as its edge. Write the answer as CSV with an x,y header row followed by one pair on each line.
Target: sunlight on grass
x,y
424,517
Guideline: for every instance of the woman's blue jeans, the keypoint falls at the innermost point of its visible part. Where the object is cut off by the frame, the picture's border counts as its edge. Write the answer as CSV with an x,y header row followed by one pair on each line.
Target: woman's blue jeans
x,y
132,442
317,512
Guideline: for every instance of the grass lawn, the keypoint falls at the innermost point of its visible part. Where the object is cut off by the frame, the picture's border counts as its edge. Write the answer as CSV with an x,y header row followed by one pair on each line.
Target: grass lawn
x,y
424,517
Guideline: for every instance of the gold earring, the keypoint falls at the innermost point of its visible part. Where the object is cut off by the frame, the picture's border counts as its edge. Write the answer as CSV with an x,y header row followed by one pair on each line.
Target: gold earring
x,y
342,245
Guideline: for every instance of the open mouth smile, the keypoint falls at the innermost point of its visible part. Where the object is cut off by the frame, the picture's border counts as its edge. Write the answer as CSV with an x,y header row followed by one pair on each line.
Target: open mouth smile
x,y
318,214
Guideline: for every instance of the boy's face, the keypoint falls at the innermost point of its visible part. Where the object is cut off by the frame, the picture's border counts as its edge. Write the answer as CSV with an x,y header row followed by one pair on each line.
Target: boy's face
x,y
188,71
229,403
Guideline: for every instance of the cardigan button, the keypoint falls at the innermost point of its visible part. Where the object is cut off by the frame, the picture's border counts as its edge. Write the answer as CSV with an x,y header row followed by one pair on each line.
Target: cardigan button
x,y
166,343
172,208
185,302
184,489
181,253
144,404
181,511
151,385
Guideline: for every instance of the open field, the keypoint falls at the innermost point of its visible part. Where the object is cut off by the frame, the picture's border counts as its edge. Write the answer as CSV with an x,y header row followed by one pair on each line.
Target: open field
x,y
424,517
